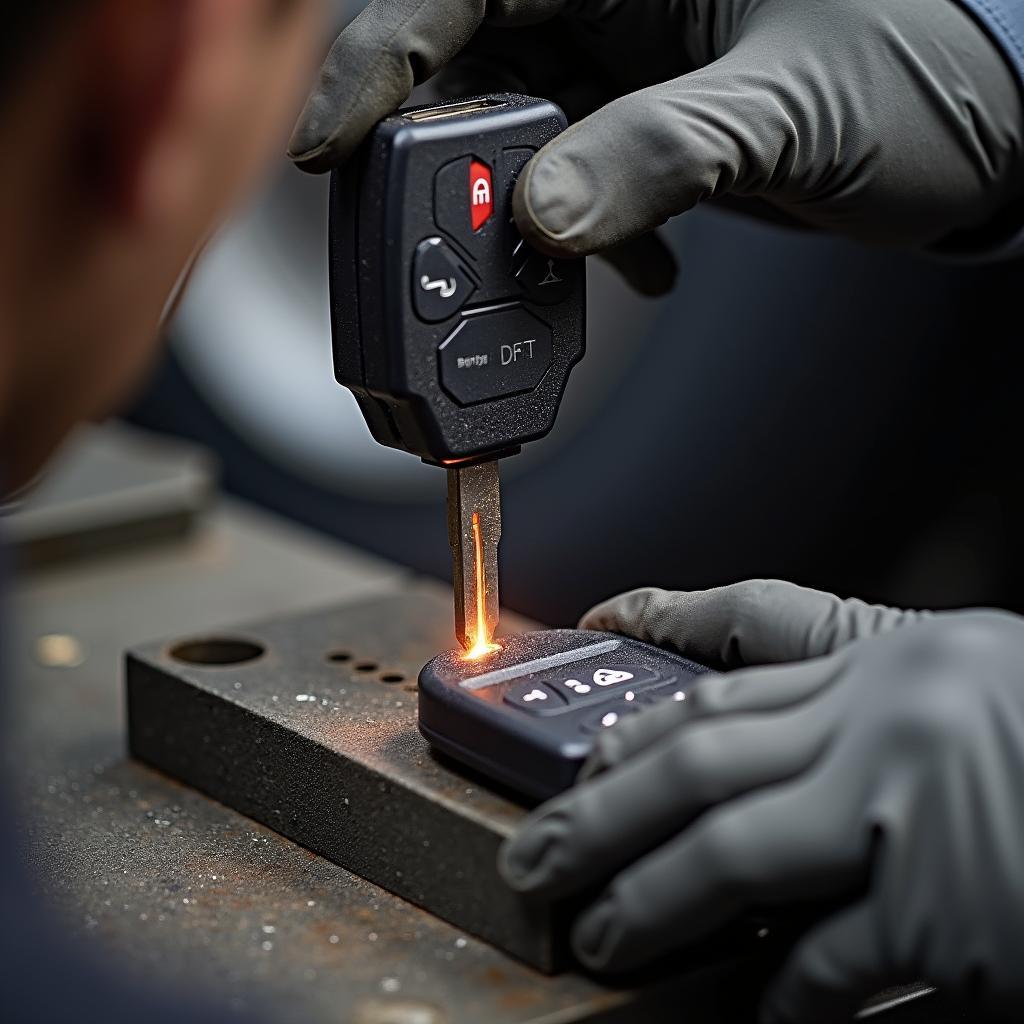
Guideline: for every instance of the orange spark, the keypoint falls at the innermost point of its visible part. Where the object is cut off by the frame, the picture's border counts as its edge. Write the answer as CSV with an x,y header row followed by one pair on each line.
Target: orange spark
x,y
482,644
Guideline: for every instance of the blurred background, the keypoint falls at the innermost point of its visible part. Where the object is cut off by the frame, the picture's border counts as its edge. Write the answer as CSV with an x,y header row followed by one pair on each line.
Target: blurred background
x,y
799,407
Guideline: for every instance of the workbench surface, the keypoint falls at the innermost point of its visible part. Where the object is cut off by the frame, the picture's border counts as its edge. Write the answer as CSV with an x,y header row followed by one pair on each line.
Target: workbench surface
x,y
164,884
158,879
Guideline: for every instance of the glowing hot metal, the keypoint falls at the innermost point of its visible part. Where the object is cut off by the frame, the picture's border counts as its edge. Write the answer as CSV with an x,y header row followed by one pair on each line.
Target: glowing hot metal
x,y
482,644
474,529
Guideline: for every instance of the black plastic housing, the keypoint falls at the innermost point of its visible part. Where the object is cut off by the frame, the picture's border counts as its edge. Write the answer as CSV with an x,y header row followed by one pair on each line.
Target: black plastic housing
x,y
464,710
384,204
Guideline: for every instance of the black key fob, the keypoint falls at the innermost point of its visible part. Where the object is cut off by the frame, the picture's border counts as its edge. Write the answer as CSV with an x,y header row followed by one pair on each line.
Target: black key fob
x,y
456,338
527,716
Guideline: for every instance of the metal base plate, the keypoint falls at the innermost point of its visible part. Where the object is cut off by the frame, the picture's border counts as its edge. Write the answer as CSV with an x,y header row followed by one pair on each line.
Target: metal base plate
x,y
308,725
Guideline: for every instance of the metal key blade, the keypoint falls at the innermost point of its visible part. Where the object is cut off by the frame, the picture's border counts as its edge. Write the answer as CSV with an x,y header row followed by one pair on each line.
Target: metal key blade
x,y
474,529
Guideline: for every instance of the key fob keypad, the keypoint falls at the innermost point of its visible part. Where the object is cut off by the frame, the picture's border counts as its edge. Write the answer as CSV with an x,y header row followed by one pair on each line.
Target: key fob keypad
x,y
456,337
528,716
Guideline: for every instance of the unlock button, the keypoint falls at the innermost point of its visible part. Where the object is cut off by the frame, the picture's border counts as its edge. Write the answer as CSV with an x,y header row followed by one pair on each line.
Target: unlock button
x,y
440,284
536,698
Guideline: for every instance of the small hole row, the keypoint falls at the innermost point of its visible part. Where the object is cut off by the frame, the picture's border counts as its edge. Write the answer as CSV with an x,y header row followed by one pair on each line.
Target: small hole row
x,y
364,667
224,651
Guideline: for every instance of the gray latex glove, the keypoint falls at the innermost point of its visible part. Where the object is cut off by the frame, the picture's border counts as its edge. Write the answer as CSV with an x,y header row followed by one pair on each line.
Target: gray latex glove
x,y
895,121
875,763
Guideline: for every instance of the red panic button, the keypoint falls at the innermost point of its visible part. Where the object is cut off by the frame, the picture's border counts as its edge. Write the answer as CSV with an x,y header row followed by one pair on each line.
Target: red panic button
x,y
481,194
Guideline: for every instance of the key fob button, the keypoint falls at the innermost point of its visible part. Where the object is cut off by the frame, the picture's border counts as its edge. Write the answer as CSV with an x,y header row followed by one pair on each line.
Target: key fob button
x,y
441,285
617,677
593,683
536,698
607,715
493,355
451,201
543,280
576,691
515,160
464,203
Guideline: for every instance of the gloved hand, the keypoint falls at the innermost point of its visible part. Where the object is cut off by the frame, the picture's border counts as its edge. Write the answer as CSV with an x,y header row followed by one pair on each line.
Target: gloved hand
x,y
875,763
895,121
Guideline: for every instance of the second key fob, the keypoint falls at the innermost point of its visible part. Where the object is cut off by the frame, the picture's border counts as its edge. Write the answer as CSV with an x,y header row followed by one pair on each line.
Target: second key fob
x,y
527,717
456,338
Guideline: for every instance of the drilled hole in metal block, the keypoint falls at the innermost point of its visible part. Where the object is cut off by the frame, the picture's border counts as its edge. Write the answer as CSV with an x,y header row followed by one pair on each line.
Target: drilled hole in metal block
x,y
392,677
217,651
365,666
339,656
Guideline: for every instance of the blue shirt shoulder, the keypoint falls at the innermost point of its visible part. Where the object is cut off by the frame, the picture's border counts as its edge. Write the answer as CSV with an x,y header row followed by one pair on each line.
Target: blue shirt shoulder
x,y
1004,19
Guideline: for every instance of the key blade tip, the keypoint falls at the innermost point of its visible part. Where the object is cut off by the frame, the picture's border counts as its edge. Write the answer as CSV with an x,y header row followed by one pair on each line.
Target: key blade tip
x,y
474,529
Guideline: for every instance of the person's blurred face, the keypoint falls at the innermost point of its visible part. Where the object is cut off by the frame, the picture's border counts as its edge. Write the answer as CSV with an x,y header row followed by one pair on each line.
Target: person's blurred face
x,y
128,138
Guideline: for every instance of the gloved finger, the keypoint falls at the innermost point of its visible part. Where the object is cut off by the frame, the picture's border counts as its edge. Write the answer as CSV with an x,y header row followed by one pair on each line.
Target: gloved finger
x,y
390,46
831,971
540,60
761,851
646,263
775,688
535,62
591,831
651,154
753,623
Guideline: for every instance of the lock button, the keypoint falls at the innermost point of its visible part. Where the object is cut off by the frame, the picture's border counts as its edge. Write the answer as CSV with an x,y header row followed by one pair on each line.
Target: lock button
x,y
464,204
481,194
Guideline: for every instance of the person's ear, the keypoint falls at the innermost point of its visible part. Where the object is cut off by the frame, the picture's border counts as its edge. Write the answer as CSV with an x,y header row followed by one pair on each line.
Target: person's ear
x,y
136,57
163,63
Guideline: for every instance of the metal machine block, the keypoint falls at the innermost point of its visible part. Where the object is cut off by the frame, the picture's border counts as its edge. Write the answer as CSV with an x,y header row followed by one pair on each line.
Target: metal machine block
x,y
308,725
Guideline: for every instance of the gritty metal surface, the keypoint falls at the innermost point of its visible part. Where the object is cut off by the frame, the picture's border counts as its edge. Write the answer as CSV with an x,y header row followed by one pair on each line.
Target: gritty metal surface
x,y
317,737
474,532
